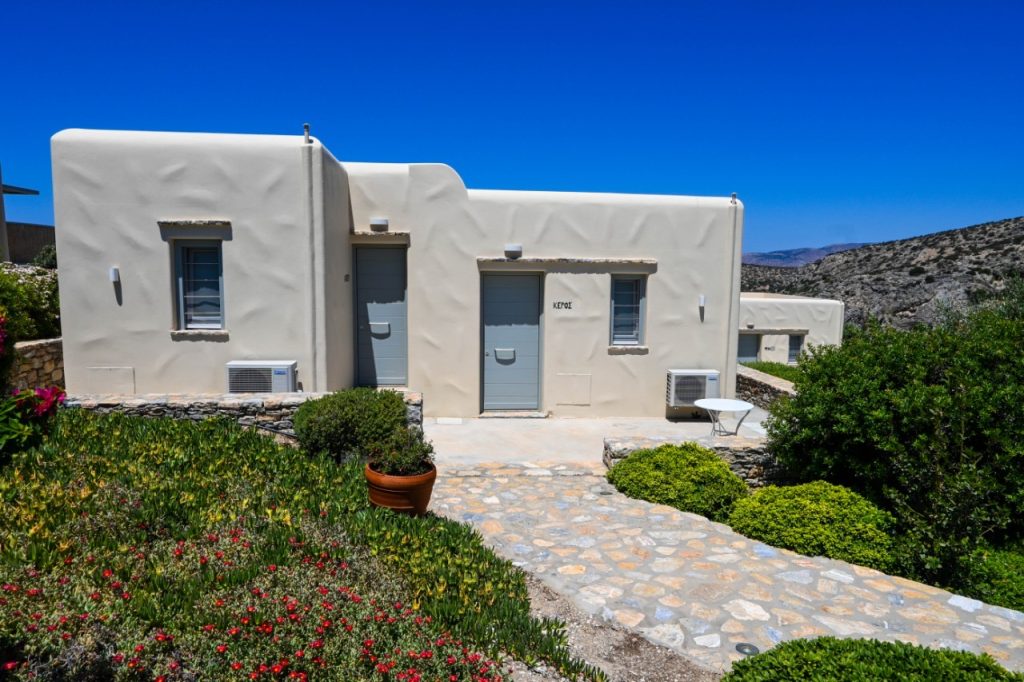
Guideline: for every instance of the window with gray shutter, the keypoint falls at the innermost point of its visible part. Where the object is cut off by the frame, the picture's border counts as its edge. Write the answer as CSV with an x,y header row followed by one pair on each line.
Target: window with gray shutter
x,y
749,347
796,344
628,310
199,275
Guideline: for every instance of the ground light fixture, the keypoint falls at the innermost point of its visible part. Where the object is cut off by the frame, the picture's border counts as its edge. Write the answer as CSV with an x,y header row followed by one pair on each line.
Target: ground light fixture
x,y
747,649
115,274
700,306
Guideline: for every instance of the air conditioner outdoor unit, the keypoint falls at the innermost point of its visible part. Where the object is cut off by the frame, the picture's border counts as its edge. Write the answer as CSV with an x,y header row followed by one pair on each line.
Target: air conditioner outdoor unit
x,y
685,386
261,376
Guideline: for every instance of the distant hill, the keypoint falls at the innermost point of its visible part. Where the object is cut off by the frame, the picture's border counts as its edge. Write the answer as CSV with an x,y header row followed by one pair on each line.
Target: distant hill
x,y
792,258
907,281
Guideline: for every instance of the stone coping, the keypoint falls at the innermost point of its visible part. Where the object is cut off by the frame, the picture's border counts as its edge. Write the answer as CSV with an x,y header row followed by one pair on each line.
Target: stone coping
x,y
37,343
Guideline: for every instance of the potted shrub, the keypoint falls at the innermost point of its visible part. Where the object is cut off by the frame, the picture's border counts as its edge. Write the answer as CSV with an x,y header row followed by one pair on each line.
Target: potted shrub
x,y
400,471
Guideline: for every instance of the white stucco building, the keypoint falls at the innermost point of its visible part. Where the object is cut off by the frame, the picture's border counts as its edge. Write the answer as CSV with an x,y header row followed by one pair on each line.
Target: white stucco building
x,y
778,327
180,253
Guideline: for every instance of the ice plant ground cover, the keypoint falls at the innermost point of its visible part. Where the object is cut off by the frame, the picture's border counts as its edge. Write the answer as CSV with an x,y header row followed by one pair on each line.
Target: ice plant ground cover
x,y
153,549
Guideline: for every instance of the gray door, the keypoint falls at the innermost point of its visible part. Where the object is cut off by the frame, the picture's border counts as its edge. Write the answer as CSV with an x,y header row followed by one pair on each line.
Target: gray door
x,y
511,342
381,330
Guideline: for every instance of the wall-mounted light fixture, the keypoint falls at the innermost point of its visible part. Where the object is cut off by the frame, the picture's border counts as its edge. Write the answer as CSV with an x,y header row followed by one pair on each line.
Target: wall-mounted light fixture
x,y
513,251
379,224
115,275
700,300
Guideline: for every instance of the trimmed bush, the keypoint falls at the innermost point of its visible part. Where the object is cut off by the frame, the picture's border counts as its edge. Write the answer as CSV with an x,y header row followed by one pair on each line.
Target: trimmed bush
x,y
817,519
997,577
341,423
828,659
688,477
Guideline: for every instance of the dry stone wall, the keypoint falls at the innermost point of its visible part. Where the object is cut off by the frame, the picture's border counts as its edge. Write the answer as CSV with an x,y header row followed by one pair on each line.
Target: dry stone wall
x,y
759,388
270,411
38,363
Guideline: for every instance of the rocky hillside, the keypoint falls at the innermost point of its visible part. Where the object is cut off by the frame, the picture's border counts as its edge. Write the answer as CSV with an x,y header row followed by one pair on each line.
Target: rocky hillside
x,y
792,258
906,281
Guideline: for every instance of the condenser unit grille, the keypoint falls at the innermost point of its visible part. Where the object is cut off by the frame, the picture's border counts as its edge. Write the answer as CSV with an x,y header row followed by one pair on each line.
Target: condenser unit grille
x,y
689,389
686,386
250,380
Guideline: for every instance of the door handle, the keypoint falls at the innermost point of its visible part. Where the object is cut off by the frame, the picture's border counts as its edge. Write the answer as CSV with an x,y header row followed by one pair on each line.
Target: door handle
x,y
505,353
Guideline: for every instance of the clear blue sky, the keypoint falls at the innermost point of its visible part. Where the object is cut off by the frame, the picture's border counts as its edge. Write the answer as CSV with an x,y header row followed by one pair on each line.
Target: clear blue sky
x,y
834,122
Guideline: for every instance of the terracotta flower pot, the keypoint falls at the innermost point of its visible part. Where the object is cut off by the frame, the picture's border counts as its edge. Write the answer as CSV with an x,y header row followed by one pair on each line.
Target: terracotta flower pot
x,y
403,494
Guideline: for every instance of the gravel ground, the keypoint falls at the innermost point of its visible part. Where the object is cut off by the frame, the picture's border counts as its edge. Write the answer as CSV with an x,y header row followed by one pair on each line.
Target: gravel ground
x,y
624,656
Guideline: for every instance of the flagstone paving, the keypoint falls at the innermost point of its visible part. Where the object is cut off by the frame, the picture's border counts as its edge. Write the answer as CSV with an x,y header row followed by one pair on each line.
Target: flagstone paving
x,y
694,585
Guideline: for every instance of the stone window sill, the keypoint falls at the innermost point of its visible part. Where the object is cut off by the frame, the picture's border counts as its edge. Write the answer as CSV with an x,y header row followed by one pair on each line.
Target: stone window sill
x,y
628,350
199,335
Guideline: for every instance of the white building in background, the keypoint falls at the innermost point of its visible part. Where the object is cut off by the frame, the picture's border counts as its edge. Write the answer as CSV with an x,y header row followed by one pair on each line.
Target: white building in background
x,y
183,253
777,327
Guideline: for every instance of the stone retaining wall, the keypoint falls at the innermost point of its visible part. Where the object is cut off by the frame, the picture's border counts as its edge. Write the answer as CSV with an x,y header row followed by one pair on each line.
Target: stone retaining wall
x,y
273,411
759,388
38,363
747,457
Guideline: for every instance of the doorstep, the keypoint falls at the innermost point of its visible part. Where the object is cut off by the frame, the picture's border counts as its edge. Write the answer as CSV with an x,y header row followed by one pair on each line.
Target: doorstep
x,y
514,414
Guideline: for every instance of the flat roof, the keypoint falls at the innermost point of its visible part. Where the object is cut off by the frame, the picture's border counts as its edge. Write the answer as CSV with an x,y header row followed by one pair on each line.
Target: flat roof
x,y
768,295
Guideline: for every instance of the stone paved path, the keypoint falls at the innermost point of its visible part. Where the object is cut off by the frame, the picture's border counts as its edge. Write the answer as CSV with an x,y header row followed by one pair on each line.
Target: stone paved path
x,y
694,585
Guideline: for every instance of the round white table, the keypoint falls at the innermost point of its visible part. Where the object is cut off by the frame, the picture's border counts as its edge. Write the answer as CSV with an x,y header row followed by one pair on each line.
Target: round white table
x,y
714,408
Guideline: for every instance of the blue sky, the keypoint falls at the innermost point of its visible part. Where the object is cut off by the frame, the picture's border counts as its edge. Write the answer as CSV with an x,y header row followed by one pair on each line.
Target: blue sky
x,y
833,121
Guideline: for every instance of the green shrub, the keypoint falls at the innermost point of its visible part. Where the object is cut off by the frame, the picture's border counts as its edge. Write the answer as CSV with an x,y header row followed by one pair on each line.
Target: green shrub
x,y
997,577
7,355
776,369
343,422
25,417
404,452
46,258
827,659
29,297
927,424
688,477
817,519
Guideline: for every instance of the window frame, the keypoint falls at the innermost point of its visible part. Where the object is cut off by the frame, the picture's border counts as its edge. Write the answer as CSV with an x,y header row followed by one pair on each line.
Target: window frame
x,y
641,305
181,246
